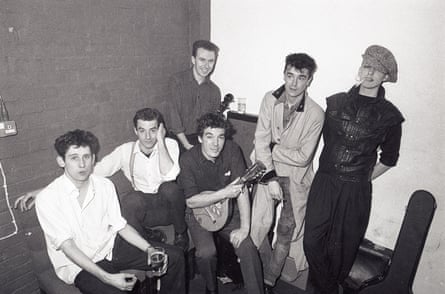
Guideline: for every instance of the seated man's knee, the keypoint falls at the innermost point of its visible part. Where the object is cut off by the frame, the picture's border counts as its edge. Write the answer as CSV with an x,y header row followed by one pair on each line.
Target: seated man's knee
x,y
171,191
206,252
132,206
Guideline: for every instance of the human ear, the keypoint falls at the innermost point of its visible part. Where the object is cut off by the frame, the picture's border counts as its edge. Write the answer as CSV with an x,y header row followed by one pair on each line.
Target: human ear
x,y
60,161
200,139
309,81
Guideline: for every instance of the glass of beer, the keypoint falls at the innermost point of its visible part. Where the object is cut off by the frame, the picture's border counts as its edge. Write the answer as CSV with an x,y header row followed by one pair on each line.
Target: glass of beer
x,y
241,105
158,259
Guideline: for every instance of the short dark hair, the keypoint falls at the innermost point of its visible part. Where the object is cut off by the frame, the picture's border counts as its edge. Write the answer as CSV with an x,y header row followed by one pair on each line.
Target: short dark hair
x,y
147,114
214,120
205,45
76,138
300,61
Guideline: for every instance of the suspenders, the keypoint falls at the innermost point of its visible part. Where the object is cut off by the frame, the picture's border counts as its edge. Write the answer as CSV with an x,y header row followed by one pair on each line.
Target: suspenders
x,y
132,155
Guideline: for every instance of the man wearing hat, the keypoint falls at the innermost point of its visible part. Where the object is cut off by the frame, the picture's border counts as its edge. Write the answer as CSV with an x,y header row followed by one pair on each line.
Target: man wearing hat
x,y
358,123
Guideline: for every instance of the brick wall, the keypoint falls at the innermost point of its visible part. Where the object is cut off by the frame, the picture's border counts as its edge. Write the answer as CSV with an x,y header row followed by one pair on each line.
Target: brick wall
x,y
68,64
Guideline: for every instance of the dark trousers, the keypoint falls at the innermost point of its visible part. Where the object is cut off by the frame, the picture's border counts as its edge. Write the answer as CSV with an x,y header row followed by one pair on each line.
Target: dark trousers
x,y
274,259
130,257
206,256
337,215
163,208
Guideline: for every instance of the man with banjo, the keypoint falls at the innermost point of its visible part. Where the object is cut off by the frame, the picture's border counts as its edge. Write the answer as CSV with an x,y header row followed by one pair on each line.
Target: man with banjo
x,y
211,176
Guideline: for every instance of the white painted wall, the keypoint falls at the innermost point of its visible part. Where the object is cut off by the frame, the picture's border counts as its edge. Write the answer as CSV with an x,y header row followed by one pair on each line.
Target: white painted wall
x,y
256,35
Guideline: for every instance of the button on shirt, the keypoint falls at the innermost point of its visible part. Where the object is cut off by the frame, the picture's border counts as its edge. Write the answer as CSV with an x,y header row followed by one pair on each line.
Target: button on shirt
x,y
92,227
199,174
146,173
189,100
287,111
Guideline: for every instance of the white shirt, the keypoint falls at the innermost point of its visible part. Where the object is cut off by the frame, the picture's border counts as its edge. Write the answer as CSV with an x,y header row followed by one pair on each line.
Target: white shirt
x,y
146,173
92,227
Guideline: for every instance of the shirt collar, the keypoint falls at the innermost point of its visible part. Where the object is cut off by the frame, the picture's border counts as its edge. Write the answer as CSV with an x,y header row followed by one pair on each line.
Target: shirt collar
x,y
192,78
137,148
70,189
203,159
354,91
281,98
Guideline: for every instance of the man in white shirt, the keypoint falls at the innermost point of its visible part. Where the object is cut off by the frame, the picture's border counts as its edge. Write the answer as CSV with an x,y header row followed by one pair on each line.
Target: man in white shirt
x,y
80,216
151,164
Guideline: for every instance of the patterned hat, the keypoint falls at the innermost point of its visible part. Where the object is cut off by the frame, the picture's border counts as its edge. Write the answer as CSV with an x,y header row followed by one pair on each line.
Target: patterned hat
x,y
382,60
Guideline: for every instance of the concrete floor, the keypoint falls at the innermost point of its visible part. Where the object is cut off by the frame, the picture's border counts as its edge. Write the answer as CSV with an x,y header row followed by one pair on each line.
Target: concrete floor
x,y
197,286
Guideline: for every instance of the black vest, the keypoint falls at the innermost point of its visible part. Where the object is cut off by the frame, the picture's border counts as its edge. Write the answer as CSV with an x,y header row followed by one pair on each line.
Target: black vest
x,y
354,128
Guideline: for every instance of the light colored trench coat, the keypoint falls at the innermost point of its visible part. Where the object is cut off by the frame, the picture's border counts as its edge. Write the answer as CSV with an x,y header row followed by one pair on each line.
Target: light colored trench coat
x,y
291,157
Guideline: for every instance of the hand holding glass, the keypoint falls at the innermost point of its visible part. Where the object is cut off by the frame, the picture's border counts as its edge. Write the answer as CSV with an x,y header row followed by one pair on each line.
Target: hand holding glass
x,y
157,260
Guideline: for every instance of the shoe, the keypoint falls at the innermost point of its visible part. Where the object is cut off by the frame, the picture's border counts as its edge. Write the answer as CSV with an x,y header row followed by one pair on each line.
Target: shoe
x,y
268,289
182,241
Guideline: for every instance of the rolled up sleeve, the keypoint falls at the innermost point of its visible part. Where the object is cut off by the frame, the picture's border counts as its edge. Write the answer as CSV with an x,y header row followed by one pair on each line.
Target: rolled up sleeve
x,y
50,219
391,146
173,150
187,179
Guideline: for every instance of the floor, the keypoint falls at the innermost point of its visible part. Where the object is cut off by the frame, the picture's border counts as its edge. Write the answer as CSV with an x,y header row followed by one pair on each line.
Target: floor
x,y
197,286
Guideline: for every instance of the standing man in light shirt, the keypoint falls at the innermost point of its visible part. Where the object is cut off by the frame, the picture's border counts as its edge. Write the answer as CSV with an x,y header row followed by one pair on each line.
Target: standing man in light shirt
x,y
151,164
193,94
80,217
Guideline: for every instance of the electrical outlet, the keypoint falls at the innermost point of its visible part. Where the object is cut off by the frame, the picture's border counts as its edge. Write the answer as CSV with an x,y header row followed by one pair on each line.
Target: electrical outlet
x,y
7,128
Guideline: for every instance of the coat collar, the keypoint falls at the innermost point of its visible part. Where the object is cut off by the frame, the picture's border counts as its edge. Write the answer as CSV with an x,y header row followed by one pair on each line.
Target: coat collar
x,y
278,94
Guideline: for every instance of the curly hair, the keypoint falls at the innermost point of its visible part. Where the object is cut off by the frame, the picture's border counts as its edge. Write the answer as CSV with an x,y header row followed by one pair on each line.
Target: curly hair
x,y
76,138
214,120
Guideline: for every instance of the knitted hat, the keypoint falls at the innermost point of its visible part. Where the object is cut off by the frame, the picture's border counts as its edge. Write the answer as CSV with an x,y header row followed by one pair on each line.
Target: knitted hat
x,y
382,60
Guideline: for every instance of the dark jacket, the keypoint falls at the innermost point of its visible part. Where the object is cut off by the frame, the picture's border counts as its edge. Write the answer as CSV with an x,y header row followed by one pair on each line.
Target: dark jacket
x,y
355,128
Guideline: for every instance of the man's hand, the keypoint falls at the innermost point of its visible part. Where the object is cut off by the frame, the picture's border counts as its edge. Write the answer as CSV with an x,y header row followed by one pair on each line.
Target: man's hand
x,y
275,191
150,251
183,139
26,201
121,281
238,236
233,189
160,136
